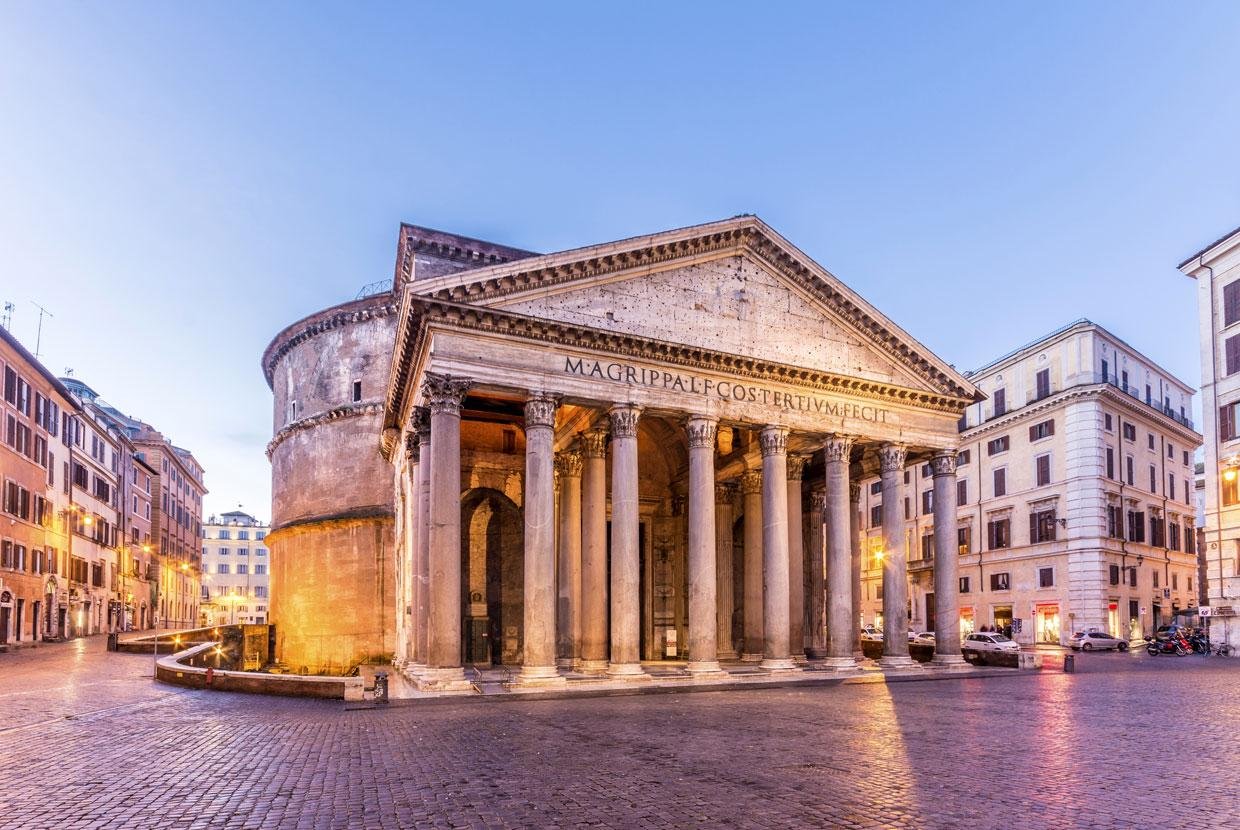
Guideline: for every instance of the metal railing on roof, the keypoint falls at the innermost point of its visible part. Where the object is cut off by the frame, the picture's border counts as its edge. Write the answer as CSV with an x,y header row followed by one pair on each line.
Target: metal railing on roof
x,y
1131,390
371,289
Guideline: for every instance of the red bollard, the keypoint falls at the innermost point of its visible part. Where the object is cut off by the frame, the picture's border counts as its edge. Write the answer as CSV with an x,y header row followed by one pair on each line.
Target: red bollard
x,y
210,676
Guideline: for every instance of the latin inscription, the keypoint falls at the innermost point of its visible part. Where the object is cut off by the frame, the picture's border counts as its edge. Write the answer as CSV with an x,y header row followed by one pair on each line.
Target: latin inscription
x,y
727,390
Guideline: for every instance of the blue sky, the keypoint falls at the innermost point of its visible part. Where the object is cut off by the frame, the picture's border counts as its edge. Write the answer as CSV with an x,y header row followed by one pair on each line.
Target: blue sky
x,y
179,182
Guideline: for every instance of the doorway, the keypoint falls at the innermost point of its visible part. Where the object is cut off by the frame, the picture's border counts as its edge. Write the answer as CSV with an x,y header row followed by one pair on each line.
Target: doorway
x,y
1048,624
493,577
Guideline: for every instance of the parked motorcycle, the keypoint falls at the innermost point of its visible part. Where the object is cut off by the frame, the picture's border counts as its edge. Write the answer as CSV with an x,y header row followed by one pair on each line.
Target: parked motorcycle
x,y
1200,643
1171,645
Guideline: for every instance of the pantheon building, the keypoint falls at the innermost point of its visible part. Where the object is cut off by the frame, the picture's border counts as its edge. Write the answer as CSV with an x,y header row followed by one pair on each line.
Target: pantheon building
x,y
581,463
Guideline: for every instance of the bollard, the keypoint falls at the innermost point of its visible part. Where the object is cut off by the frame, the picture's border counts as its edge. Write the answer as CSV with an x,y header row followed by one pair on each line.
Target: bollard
x,y
381,687
1069,663
210,676
113,639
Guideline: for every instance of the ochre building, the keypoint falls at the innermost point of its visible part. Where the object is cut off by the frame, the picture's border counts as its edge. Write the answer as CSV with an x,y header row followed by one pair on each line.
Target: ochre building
x,y
642,450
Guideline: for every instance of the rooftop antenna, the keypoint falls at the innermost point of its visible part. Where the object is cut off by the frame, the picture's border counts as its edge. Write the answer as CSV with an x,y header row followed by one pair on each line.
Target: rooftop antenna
x,y
38,338
68,372
7,319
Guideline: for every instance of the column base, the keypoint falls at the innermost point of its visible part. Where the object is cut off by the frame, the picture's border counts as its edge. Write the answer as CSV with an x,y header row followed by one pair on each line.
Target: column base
x,y
700,668
443,680
815,652
592,666
412,670
840,663
800,657
728,655
751,658
949,662
565,663
538,677
779,664
897,662
627,671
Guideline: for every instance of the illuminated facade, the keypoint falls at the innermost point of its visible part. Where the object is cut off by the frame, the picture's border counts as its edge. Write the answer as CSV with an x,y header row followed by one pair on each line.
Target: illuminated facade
x,y
235,570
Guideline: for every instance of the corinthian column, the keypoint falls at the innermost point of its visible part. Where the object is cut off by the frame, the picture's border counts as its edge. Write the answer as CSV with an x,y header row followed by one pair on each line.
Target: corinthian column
x,y
796,559
840,623
776,653
412,501
625,557
724,600
751,505
538,666
854,515
422,556
443,657
895,565
817,576
594,552
946,561
703,656
568,570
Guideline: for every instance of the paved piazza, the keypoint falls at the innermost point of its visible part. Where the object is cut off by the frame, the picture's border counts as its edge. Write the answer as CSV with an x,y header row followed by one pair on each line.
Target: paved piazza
x,y
1128,741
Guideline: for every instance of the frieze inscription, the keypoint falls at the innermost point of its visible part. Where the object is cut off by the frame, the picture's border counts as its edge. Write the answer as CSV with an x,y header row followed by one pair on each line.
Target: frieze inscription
x,y
724,389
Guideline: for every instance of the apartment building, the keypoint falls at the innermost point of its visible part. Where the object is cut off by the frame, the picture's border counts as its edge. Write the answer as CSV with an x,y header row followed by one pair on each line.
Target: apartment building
x,y
1075,496
1217,271
235,571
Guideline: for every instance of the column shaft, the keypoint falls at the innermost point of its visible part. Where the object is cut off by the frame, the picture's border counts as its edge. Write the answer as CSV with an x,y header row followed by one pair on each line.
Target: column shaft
x,y
725,602
854,515
443,657
837,454
594,552
539,606
817,575
703,626
946,561
568,568
796,559
625,538
751,492
776,651
422,563
895,564
411,544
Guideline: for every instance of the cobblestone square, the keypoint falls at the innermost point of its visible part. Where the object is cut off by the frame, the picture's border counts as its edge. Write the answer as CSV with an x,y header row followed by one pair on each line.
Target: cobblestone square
x,y
89,741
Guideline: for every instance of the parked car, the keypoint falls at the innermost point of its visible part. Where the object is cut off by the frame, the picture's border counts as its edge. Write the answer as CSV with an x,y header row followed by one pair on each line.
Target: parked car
x,y
1096,641
989,642
926,638
871,633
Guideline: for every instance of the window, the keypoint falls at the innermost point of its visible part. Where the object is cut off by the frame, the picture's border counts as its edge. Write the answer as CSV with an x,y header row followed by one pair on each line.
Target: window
x,y
876,516
1170,486
357,391
1158,532
927,546
260,535
1231,302
224,534
998,534
223,551
260,569
1171,451
1132,577
1136,526
964,540
1231,348
1110,463
1043,430
1153,479
1042,469
965,456
964,585
1150,436
260,551
1173,535
243,535
1113,521
221,568
243,551
1043,382
962,492
1042,526
1155,579
1190,538
1000,582
1046,577
927,502
1105,369
1130,432
260,591
1001,401
1106,422
876,487
997,445
1000,480
1128,464
243,568
1114,569
926,471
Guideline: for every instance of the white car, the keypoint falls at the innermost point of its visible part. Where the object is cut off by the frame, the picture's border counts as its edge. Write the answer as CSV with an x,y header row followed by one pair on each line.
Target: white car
x,y
871,633
989,642
926,638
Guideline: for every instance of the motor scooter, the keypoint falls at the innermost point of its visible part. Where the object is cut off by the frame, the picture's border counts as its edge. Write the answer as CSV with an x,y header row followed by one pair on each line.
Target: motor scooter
x,y
1171,645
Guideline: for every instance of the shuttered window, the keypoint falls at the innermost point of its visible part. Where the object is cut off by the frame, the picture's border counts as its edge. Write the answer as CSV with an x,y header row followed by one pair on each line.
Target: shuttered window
x,y
1043,380
1231,302
1232,346
1227,422
1042,430
1043,464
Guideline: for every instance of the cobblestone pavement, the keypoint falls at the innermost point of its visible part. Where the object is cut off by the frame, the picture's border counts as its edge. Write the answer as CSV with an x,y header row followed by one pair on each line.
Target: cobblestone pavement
x,y
86,740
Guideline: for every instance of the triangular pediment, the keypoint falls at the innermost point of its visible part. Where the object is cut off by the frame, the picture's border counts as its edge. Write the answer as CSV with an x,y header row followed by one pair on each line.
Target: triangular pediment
x,y
734,287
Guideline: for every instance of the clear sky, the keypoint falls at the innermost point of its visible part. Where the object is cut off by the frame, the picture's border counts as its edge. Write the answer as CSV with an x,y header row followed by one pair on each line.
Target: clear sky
x,y
178,182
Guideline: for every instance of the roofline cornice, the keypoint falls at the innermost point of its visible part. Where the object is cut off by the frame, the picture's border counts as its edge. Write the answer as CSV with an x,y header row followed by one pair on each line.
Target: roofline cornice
x,y
356,311
420,313
1211,252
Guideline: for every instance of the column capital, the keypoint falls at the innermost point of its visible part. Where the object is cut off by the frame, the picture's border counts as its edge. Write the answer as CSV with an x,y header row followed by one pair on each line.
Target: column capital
x,y
540,410
818,502
854,491
701,431
943,463
725,491
751,482
413,450
773,440
837,448
445,393
568,463
594,443
891,457
624,420
420,423
796,466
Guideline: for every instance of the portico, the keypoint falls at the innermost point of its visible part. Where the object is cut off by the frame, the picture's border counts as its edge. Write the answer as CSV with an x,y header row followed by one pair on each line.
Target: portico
x,y
707,399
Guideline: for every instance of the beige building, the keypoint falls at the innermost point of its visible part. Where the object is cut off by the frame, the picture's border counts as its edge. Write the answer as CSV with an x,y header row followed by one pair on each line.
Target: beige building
x,y
1217,271
1074,493
235,570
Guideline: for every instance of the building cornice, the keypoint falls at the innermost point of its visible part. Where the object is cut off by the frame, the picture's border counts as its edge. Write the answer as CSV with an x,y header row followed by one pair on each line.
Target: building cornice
x,y
420,313
743,235
351,518
473,253
355,410
357,311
